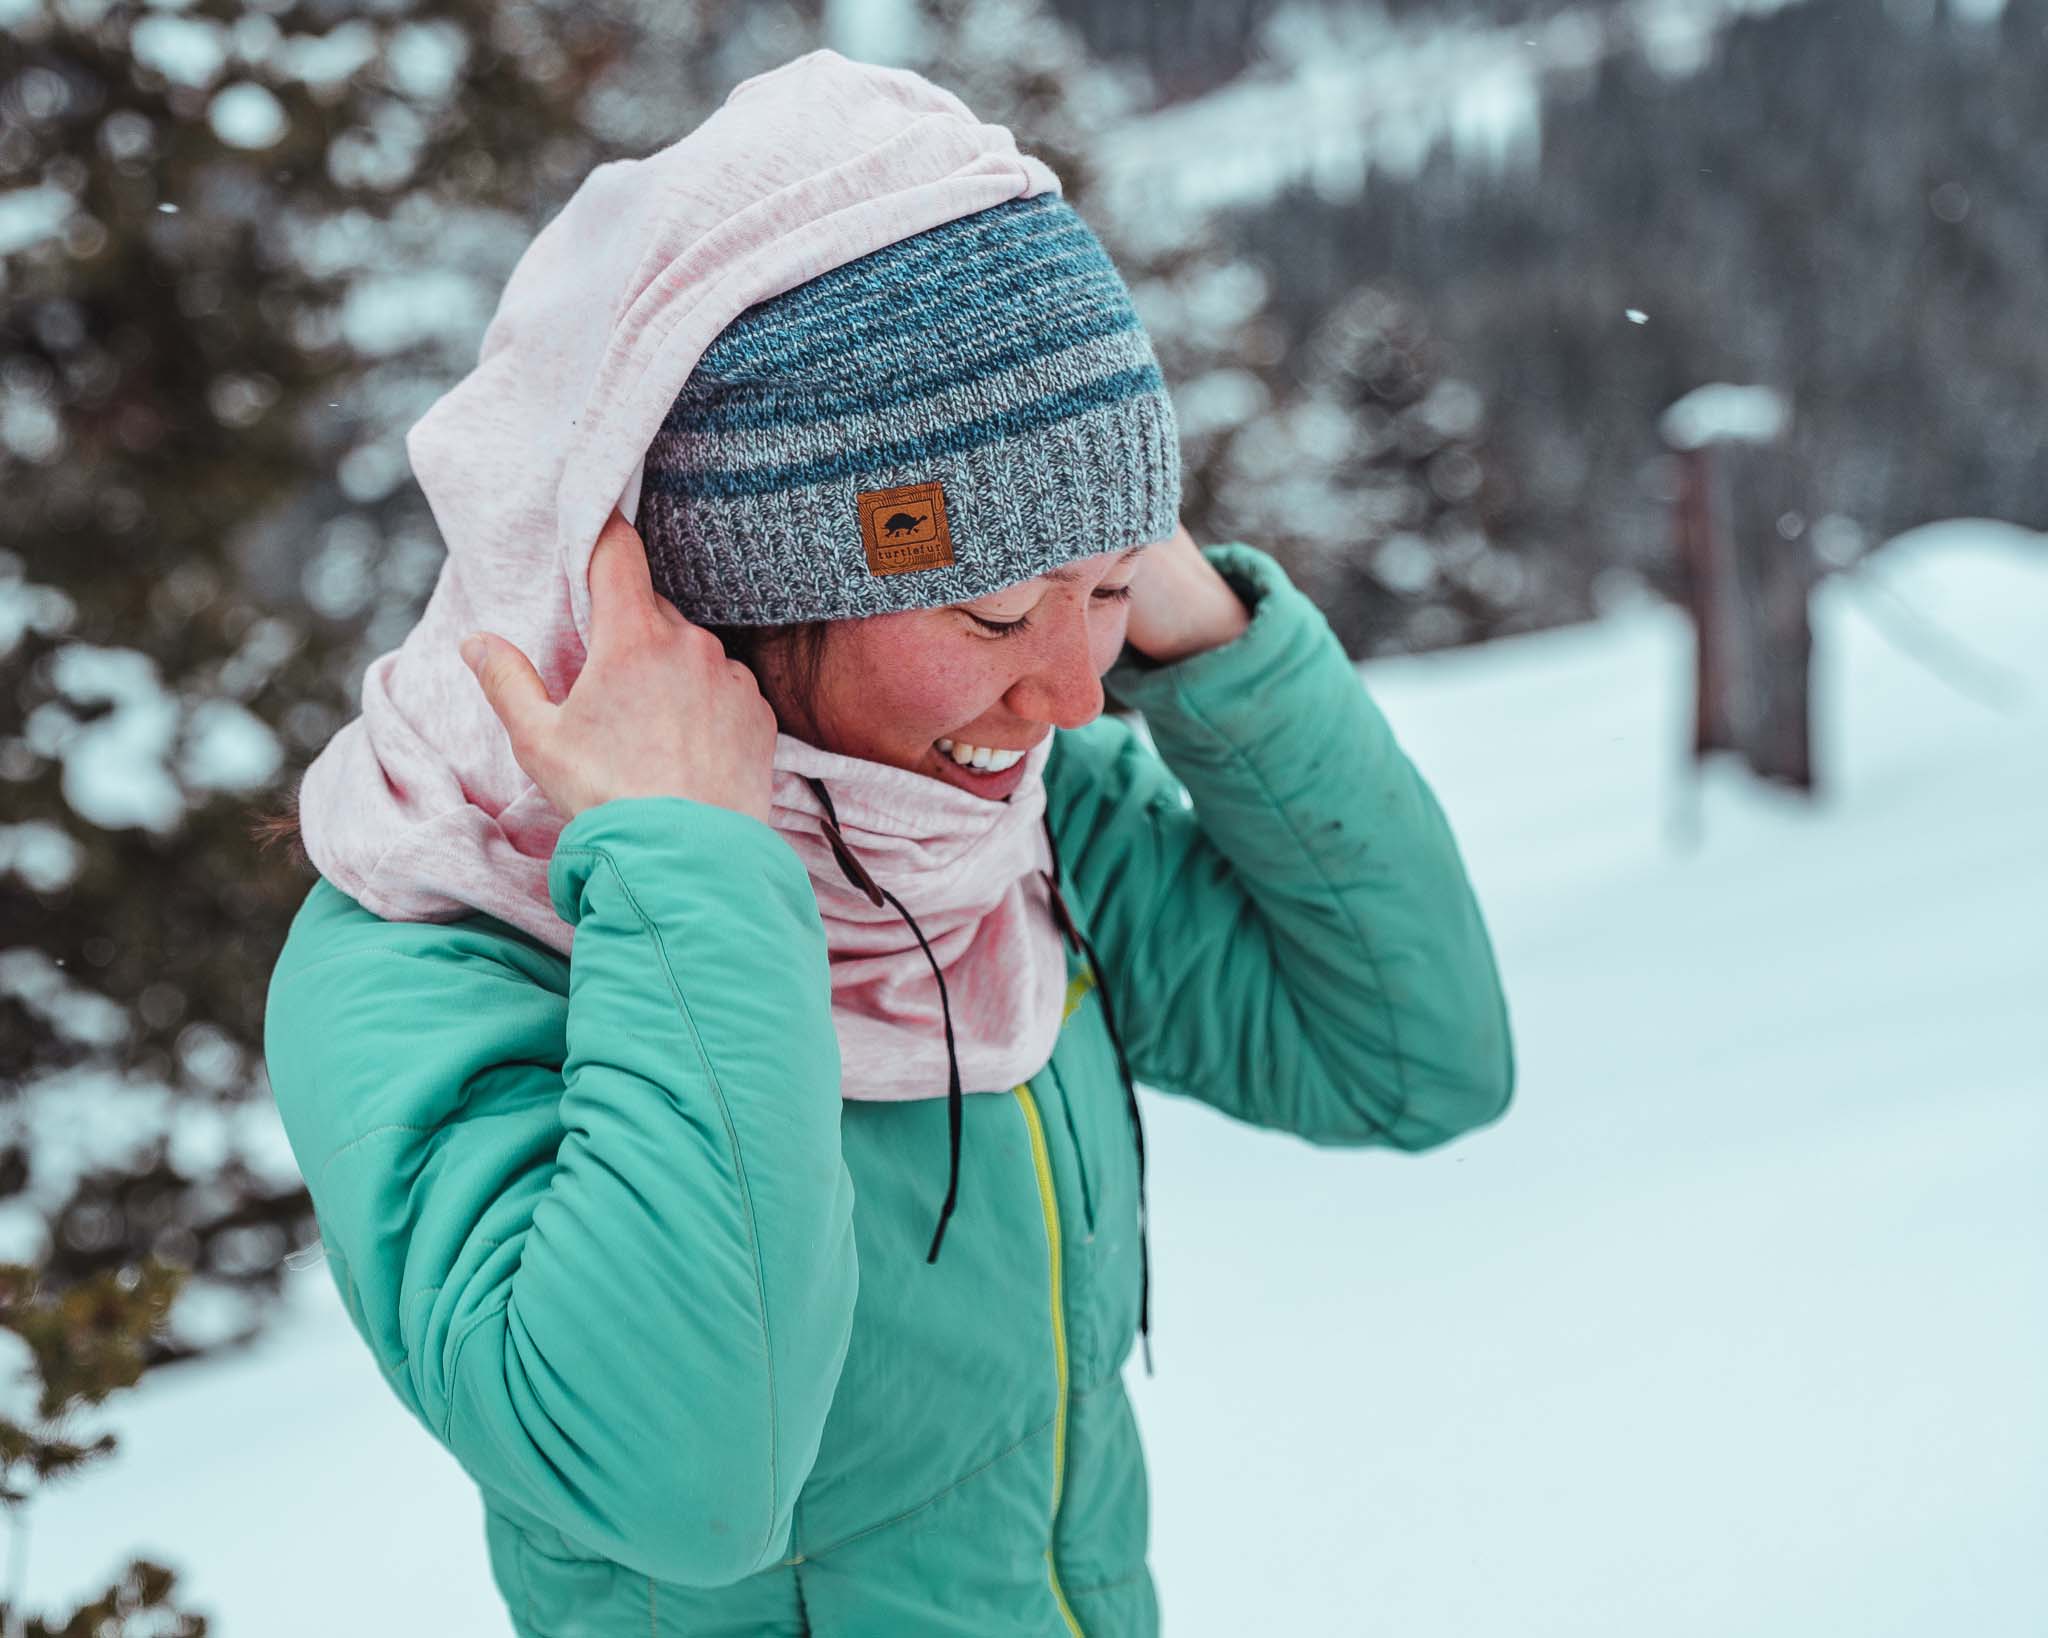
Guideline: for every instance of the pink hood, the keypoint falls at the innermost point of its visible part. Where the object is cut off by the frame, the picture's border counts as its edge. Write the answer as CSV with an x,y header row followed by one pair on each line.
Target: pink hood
x,y
416,808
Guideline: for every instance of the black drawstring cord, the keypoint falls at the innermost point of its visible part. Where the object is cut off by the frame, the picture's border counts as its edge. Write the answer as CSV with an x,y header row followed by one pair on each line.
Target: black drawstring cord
x,y
857,873
1075,936
877,894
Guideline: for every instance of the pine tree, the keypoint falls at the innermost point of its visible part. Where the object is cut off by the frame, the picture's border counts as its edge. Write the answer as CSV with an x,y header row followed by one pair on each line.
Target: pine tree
x,y
1371,479
241,248
84,1343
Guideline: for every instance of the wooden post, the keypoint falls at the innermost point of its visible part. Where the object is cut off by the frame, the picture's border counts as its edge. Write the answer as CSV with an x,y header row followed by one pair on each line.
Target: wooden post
x,y
1749,572
1704,572
1772,572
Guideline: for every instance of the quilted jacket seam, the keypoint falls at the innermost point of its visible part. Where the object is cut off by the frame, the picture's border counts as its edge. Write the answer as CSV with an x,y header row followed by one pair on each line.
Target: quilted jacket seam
x,y
470,967
732,1135
940,1494
1400,1056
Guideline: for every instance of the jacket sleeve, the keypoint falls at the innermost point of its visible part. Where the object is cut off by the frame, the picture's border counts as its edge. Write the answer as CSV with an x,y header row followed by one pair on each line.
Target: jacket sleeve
x,y
619,1285
1285,925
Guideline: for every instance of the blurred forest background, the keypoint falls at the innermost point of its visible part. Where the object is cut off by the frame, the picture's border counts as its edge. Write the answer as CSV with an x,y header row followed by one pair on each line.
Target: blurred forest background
x,y
1423,277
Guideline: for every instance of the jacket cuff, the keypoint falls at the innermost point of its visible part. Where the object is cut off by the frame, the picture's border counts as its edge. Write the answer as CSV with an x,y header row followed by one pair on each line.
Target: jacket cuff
x,y
1287,633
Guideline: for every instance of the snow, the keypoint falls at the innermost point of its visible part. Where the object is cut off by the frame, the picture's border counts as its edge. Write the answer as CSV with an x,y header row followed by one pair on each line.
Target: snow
x,y
380,153
38,983
387,313
19,1394
873,31
185,50
246,115
325,61
29,426
1337,93
1733,1325
424,59
1496,119
114,772
44,857
28,216
228,748
1722,412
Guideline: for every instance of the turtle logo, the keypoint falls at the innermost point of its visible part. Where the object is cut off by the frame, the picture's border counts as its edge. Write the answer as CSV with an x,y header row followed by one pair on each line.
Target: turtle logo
x,y
905,528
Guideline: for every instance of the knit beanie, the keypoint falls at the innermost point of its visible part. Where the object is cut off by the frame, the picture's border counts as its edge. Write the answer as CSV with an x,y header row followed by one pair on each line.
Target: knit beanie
x,y
941,418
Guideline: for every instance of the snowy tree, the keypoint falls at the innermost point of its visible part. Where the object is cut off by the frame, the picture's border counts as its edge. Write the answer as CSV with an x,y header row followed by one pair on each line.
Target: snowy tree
x,y
73,1349
241,248
1369,478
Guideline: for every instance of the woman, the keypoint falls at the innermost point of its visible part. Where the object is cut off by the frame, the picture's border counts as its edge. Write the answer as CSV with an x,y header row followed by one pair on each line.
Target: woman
x,y
716,1098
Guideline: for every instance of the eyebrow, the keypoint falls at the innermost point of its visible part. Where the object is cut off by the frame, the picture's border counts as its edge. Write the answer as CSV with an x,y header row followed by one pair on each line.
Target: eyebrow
x,y
1065,575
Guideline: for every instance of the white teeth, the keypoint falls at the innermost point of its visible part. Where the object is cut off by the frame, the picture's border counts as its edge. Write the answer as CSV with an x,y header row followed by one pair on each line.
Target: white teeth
x,y
979,757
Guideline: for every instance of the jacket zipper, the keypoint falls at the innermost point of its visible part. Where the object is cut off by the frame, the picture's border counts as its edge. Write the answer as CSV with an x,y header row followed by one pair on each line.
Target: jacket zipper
x,y
1041,1161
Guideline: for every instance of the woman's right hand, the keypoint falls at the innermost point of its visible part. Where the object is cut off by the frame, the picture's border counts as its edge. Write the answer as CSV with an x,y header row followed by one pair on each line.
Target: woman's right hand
x,y
657,710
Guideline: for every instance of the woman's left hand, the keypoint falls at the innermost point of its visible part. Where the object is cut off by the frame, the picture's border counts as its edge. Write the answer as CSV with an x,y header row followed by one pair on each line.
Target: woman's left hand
x,y
1179,604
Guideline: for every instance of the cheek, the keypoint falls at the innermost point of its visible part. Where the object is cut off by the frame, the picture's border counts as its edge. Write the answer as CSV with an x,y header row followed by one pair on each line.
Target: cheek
x,y
921,691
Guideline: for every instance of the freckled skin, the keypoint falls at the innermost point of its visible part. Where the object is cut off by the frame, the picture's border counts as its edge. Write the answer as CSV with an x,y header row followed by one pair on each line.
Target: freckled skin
x,y
891,684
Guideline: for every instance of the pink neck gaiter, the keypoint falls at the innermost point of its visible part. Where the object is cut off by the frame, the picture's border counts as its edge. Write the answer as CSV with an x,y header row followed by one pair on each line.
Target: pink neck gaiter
x,y
967,869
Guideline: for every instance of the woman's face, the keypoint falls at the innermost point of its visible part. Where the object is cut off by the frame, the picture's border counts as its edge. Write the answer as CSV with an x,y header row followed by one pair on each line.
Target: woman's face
x,y
891,685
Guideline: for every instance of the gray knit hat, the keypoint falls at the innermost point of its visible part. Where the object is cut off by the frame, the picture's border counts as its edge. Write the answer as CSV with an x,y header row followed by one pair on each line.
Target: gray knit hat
x,y
946,416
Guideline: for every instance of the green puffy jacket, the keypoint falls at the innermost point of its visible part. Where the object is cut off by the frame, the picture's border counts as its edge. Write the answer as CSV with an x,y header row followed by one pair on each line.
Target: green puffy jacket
x,y
615,1239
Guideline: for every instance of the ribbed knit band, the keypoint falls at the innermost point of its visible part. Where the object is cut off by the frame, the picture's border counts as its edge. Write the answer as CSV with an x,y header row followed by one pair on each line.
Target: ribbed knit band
x,y
996,356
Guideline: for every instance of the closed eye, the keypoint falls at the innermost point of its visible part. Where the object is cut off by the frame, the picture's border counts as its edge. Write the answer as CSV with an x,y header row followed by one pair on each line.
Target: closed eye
x,y
1109,594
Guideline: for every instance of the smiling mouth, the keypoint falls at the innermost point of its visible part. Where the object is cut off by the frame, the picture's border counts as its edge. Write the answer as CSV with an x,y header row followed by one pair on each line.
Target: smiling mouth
x,y
970,769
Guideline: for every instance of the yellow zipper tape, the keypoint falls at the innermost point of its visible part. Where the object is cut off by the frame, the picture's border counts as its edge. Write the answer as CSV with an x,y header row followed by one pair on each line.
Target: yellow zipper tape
x,y
1041,1160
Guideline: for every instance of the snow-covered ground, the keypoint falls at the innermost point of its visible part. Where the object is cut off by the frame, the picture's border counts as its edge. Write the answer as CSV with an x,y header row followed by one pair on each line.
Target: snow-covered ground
x,y
1737,1324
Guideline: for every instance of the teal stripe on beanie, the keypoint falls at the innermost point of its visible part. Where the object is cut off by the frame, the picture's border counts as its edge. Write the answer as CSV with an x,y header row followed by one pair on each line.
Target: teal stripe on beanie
x,y
772,407
1005,424
994,254
872,321
795,442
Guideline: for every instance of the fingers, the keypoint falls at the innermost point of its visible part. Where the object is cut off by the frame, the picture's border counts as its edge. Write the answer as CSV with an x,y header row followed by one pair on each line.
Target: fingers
x,y
511,685
621,583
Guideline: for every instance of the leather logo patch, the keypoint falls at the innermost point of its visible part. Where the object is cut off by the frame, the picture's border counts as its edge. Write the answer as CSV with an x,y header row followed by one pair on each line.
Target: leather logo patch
x,y
905,528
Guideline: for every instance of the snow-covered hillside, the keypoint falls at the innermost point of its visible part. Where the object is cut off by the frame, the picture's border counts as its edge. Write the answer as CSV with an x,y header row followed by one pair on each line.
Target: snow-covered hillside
x,y
1734,1325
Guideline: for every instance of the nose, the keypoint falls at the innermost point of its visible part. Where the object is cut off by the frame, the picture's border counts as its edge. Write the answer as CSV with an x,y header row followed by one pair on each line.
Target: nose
x,y
1062,686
